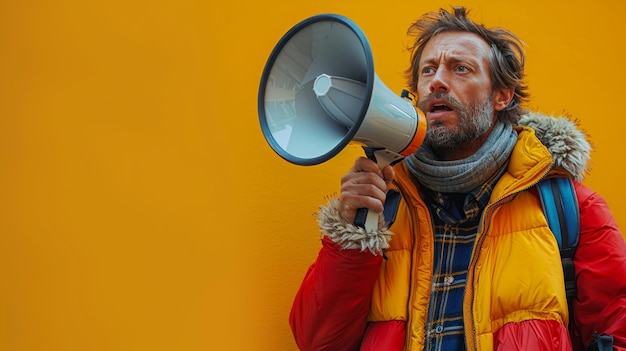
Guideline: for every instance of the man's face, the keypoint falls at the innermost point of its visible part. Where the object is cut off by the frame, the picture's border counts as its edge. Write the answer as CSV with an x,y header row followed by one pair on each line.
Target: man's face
x,y
455,93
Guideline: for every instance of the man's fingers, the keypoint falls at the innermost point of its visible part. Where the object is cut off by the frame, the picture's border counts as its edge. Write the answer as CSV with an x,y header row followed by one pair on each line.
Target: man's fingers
x,y
364,164
350,203
364,186
388,174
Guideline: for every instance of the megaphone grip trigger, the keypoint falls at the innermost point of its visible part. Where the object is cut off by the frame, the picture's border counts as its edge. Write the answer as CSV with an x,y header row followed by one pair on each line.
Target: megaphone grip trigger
x,y
370,152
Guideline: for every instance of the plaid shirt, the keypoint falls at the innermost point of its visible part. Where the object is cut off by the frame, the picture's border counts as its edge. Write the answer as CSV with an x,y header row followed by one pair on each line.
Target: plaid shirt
x,y
455,218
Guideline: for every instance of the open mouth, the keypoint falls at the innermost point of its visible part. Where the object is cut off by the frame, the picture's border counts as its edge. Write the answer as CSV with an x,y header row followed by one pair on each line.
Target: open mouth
x,y
439,108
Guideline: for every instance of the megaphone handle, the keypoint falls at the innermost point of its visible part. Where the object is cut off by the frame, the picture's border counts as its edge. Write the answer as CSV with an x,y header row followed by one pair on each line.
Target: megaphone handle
x,y
364,217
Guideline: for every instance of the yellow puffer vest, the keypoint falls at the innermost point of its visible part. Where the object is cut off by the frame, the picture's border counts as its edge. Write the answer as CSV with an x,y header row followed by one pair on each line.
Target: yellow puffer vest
x,y
515,272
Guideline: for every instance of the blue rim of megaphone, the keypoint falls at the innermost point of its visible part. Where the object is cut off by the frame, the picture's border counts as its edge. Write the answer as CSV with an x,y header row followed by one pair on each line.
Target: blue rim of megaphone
x,y
369,85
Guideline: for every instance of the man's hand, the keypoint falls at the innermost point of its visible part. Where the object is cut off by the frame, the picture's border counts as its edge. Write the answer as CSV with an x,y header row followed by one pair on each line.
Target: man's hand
x,y
365,185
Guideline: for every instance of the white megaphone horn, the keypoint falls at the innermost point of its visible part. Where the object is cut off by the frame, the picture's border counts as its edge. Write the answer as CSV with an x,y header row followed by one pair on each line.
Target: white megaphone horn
x,y
319,92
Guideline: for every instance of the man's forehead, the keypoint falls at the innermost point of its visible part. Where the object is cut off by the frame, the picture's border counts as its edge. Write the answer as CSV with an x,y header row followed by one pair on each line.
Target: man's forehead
x,y
457,43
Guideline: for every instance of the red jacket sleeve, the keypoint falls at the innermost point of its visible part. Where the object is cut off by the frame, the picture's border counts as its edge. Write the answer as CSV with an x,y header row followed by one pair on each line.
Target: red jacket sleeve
x,y
330,309
600,264
535,335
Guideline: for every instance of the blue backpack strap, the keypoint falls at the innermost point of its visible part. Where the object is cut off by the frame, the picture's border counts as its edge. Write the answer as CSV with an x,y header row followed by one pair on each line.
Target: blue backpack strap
x,y
560,206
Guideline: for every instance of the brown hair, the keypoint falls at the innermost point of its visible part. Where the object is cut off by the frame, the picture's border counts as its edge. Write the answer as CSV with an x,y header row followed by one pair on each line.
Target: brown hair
x,y
506,61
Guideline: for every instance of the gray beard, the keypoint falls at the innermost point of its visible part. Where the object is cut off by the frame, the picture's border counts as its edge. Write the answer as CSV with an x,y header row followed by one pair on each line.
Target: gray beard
x,y
475,121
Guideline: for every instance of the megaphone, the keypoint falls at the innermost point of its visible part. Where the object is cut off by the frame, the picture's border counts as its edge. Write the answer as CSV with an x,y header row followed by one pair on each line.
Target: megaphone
x,y
319,92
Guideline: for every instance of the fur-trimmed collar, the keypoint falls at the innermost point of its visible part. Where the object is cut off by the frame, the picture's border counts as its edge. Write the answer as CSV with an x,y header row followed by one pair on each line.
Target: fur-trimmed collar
x,y
566,141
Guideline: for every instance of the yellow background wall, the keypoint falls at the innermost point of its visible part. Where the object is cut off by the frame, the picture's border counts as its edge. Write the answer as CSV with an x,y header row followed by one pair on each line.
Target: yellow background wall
x,y
140,206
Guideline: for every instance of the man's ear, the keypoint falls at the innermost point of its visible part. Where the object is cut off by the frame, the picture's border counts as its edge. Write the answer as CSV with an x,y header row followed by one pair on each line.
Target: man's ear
x,y
502,98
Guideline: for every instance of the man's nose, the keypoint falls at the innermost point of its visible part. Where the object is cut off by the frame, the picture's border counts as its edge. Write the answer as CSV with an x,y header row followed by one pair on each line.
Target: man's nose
x,y
439,83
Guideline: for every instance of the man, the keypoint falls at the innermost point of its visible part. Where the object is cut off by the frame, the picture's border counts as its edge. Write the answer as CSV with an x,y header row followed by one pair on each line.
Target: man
x,y
469,263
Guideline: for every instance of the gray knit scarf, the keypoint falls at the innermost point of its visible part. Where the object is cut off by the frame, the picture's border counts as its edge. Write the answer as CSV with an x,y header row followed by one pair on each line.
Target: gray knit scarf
x,y
462,176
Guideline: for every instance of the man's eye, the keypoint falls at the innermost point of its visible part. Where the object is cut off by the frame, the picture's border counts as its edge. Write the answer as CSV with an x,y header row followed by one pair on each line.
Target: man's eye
x,y
462,69
428,70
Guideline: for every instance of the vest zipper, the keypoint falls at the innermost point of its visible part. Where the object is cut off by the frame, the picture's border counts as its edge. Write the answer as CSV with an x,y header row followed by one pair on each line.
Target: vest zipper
x,y
485,223
468,308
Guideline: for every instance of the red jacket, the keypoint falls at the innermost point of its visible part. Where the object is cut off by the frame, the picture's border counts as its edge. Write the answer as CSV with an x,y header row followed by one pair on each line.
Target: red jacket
x,y
331,308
